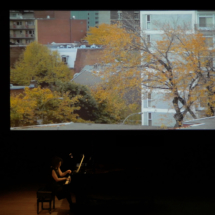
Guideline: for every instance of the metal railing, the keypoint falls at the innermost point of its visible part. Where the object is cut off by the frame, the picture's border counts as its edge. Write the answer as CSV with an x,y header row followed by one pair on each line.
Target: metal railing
x,y
22,26
204,28
22,36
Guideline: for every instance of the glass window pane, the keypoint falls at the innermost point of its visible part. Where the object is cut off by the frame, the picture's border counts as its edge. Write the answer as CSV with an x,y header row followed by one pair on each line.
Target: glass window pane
x,y
202,22
150,115
209,21
150,122
148,25
148,18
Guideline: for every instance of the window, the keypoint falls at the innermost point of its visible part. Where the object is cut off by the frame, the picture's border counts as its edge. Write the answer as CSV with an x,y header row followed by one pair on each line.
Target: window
x,y
119,15
88,22
149,99
96,17
149,119
30,23
148,40
88,14
205,21
148,22
18,23
64,59
96,14
96,22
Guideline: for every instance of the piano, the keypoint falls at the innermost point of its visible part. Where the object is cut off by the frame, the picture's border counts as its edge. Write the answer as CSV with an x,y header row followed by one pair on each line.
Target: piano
x,y
102,181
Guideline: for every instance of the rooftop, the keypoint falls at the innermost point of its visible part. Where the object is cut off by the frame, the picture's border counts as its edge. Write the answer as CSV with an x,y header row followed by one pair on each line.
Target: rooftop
x,y
85,126
202,123
20,87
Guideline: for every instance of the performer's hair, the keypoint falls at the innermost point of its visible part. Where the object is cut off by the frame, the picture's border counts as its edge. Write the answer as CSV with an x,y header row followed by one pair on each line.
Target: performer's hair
x,y
55,161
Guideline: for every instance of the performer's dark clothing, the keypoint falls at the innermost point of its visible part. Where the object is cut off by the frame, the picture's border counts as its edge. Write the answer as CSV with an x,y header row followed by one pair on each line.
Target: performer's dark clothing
x,y
61,191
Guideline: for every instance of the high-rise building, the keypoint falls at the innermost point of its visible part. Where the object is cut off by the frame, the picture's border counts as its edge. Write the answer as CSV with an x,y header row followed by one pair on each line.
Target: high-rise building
x,y
156,109
22,27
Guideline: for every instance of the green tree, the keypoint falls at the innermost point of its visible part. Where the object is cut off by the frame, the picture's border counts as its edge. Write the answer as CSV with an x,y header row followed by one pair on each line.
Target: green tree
x,y
41,64
87,103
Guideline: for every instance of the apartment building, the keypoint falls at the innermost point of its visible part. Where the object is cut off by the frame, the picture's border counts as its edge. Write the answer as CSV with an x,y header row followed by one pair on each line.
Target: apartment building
x,y
93,18
22,27
156,109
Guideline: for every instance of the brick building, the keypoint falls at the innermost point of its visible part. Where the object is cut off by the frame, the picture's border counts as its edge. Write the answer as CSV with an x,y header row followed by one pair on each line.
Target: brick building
x,y
58,27
86,57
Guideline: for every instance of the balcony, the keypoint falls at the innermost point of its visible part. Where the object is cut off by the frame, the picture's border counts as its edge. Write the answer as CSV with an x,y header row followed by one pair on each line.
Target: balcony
x,y
204,28
22,26
22,36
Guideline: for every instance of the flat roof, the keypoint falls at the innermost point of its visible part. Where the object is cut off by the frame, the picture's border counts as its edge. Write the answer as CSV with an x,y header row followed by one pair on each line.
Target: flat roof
x,y
202,123
85,126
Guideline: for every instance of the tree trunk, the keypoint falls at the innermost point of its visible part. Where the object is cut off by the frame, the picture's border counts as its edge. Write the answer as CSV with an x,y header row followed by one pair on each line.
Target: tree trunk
x,y
178,116
210,108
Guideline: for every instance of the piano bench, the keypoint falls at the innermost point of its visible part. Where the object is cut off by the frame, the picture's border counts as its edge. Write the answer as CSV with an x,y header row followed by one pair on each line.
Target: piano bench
x,y
44,195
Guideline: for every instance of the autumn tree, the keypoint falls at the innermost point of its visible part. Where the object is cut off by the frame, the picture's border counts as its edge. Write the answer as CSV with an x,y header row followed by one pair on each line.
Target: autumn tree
x,y
199,57
51,107
156,65
41,64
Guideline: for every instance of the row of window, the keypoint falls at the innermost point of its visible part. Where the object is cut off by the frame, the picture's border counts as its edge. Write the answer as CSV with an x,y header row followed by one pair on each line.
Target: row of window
x,y
203,21
27,31
19,41
22,23
208,40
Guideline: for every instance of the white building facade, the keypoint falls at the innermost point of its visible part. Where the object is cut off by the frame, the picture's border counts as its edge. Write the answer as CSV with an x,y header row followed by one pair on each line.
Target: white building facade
x,y
156,110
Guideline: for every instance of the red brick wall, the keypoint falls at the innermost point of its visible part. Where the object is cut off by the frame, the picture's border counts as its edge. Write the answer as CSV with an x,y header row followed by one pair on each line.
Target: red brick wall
x,y
87,57
78,29
44,14
15,53
62,14
57,30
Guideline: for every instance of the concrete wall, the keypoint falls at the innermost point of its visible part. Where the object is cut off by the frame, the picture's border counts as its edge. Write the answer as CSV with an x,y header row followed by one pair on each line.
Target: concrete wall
x,y
87,57
104,17
72,53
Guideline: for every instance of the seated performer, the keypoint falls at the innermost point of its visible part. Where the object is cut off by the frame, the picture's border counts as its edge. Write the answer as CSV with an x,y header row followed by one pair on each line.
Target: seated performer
x,y
58,181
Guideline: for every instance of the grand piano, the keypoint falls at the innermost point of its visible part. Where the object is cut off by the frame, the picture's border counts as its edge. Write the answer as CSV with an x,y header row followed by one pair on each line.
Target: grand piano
x,y
99,182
